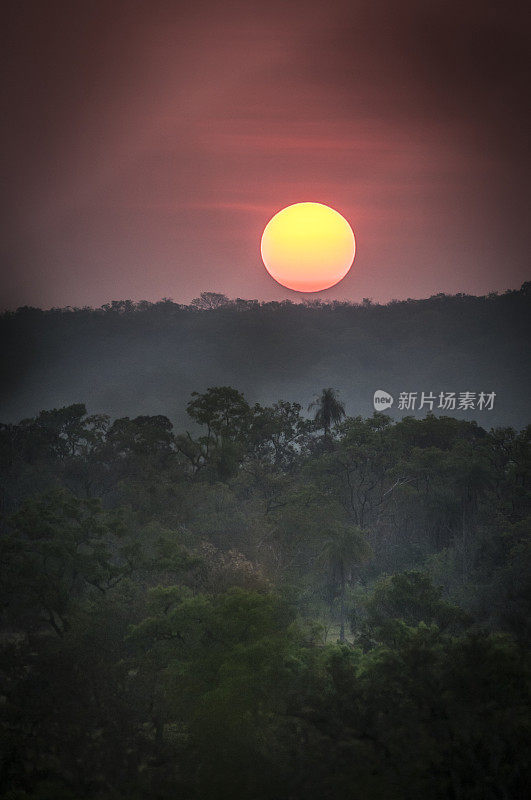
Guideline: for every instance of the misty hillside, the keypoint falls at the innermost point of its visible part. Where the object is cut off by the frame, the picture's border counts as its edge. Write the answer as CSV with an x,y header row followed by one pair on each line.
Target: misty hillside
x,y
128,359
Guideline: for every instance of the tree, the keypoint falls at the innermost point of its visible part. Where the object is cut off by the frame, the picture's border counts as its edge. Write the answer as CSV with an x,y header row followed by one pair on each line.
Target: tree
x,y
344,546
226,415
144,437
411,598
359,469
222,409
329,410
210,300
277,430
58,549
429,716
225,667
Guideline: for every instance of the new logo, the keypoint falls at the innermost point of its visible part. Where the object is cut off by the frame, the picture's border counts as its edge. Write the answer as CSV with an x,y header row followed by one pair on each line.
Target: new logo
x,y
382,400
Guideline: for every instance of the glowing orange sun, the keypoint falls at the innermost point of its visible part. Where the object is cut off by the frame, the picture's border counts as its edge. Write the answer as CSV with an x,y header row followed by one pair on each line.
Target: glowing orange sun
x,y
308,247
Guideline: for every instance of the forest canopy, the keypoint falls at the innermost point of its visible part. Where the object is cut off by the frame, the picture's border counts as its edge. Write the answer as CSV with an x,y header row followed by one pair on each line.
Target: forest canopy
x,y
269,603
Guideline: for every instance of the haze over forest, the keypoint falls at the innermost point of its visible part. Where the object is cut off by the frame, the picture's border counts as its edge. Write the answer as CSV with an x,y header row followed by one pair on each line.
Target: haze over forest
x,y
127,359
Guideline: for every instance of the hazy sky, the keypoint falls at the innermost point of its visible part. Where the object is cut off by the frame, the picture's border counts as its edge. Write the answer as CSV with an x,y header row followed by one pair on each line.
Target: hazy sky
x,y
148,143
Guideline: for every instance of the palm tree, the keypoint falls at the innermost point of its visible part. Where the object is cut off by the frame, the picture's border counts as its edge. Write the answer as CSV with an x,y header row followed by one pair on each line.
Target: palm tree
x,y
329,410
344,547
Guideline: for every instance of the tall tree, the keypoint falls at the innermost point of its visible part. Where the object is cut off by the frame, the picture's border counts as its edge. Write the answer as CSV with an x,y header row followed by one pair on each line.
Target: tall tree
x,y
226,415
344,546
329,410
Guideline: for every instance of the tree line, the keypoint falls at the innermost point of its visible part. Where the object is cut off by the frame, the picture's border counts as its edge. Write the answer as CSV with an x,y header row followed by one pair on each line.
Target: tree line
x,y
128,358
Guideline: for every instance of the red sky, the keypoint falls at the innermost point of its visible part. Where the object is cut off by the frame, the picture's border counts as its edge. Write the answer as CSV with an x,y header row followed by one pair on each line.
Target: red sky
x,y
149,143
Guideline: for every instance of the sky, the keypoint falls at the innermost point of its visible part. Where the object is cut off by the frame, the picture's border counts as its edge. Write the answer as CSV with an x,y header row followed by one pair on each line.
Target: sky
x,y
148,143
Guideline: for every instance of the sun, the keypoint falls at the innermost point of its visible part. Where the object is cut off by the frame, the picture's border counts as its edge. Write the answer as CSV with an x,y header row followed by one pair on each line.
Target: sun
x,y
308,247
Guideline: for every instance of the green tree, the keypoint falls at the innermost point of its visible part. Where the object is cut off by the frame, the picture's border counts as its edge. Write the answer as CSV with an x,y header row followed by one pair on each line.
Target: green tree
x,y
58,548
276,432
226,665
226,415
361,471
427,716
411,598
344,547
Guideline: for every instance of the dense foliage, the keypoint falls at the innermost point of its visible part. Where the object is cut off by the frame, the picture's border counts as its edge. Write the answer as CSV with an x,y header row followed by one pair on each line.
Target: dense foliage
x,y
269,607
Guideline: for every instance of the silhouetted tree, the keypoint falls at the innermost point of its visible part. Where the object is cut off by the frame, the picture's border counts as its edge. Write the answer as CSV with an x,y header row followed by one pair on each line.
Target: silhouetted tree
x,y
210,300
329,410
